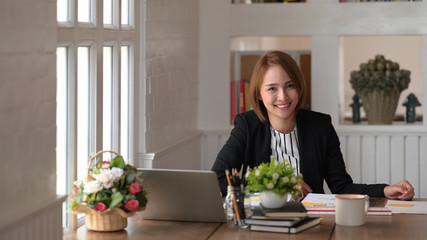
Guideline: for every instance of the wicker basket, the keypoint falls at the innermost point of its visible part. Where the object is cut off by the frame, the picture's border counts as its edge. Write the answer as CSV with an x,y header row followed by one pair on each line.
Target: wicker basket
x,y
114,219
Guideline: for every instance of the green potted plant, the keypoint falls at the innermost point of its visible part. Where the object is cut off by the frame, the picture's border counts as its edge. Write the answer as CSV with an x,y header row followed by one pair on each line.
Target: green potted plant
x,y
276,182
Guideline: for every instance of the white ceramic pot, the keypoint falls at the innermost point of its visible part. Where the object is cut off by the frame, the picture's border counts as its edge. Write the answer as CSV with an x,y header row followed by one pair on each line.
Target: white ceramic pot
x,y
270,199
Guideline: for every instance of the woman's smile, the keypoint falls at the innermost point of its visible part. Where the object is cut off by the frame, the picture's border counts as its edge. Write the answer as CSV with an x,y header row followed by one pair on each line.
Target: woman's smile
x,y
283,106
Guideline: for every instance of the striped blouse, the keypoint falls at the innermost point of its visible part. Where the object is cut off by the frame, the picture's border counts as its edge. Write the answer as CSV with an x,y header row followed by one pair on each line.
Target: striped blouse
x,y
285,146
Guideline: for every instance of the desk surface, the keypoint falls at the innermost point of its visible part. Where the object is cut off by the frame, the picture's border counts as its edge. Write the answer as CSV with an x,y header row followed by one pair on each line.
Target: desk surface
x,y
397,226
139,228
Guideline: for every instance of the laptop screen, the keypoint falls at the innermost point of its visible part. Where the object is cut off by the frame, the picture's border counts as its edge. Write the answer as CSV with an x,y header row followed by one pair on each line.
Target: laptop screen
x,y
182,195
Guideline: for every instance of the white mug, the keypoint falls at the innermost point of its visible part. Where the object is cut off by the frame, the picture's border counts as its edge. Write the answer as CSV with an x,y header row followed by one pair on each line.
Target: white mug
x,y
351,209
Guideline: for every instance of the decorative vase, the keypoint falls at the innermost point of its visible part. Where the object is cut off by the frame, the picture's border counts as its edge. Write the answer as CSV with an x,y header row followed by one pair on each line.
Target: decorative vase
x,y
270,199
379,83
380,106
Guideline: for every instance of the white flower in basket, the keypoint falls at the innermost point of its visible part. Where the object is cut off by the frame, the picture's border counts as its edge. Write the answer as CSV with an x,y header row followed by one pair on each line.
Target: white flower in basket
x,y
111,192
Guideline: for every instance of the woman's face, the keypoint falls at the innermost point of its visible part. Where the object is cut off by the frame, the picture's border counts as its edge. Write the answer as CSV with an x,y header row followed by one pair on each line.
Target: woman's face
x,y
279,95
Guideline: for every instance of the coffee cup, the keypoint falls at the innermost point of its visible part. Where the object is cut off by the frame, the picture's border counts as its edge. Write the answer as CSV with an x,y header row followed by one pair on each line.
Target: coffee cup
x,y
351,209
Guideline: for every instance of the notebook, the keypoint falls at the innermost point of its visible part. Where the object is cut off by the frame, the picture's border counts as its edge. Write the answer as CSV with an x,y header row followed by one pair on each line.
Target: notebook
x,y
291,209
300,226
182,195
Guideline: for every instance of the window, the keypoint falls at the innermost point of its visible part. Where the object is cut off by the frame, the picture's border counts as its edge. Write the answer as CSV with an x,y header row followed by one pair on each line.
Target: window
x,y
85,10
61,123
126,13
63,11
94,85
126,100
108,98
108,12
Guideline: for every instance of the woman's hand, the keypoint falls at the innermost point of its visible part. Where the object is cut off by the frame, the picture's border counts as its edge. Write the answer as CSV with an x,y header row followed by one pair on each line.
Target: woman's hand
x,y
305,189
399,191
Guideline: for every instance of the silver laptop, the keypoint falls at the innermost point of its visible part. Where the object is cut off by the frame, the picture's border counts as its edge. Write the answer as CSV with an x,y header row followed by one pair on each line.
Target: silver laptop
x,y
182,195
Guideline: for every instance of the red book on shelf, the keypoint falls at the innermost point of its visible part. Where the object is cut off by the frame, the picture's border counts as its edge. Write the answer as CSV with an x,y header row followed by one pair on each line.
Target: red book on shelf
x,y
242,96
233,106
248,102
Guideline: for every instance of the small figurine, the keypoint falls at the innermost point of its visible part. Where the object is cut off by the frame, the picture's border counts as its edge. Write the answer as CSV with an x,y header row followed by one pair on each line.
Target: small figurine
x,y
356,108
411,102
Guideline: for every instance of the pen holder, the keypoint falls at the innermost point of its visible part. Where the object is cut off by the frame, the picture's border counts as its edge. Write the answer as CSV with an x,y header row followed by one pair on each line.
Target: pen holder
x,y
234,207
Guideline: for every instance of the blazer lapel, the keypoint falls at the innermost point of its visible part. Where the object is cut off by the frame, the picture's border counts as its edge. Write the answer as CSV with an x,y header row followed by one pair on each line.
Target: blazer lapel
x,y
305,138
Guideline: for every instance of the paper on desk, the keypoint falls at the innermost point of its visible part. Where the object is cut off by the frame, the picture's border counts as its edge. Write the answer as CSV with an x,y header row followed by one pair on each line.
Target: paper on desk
x,y
316,203
317,199
411,207
252,201
312,199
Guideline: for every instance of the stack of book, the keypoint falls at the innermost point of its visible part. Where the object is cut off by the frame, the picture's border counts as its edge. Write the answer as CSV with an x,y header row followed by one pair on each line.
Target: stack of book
x,y
292,218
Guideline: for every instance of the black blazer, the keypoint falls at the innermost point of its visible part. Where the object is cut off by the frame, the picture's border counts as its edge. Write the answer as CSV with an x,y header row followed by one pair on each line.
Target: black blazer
x,y
319,149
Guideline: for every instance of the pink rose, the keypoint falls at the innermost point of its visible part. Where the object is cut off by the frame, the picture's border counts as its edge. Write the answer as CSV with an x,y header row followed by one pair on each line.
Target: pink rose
x,y
134,188
132,205
75,192
100,206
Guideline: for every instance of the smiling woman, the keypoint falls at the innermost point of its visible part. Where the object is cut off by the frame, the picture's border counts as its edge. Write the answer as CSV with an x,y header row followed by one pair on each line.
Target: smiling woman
x,y
279,126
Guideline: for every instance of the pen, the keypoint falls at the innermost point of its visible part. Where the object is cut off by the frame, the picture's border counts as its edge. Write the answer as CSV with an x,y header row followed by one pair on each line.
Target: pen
x,y
227,174
236,177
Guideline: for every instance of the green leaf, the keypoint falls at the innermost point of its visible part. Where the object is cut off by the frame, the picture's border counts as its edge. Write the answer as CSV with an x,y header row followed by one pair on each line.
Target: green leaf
x,y
103,196
118,162
116,198
129,197
91,198
90,205
130,167
142,199
122,182
71,205
130,176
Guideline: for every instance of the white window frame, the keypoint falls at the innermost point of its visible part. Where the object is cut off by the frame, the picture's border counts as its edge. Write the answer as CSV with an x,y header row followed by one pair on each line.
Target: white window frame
x,y
115,16
131,95
72,34
115,88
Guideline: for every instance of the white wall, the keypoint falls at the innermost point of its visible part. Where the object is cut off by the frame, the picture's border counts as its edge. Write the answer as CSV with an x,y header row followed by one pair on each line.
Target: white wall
x,y
169,86
214,64
301,43
27,107
170,81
